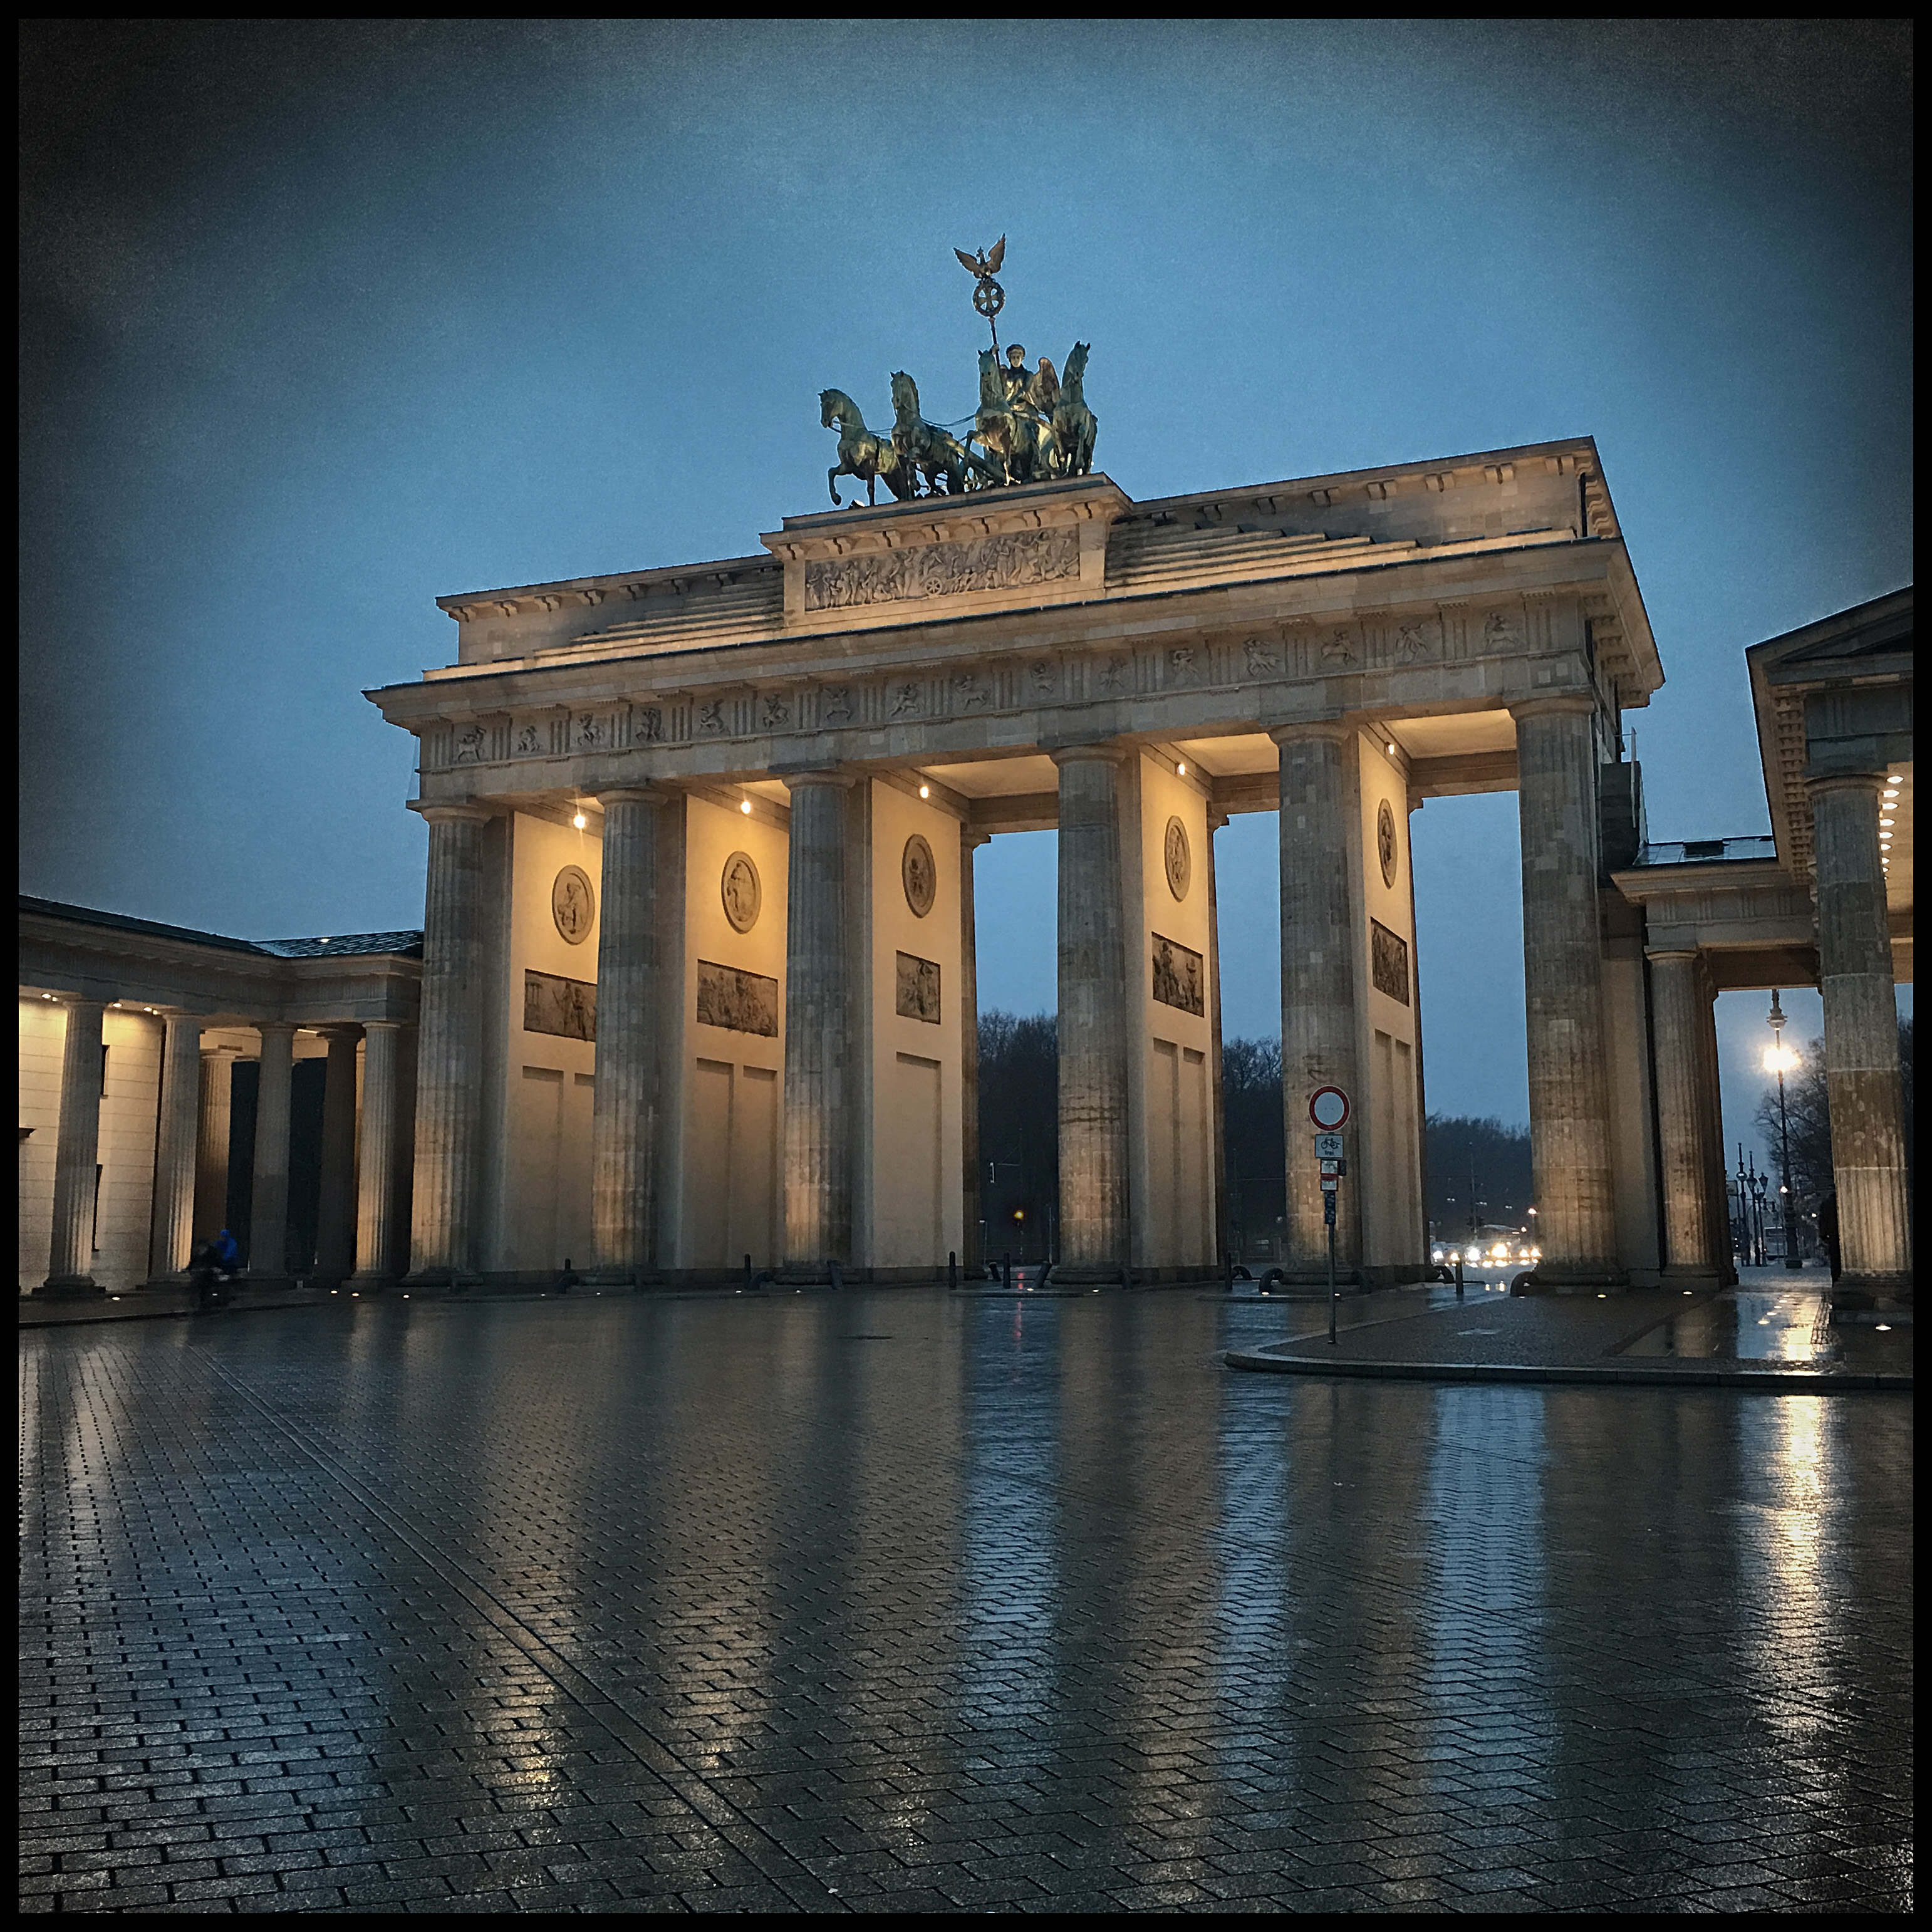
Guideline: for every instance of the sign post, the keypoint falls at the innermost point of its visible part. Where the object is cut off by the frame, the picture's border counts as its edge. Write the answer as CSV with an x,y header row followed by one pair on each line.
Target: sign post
x,y
1328,1108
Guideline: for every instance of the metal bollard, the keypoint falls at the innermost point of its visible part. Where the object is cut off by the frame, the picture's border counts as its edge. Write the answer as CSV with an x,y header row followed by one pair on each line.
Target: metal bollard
x,y
1006,1269
1458,1275
748,1282
952,1267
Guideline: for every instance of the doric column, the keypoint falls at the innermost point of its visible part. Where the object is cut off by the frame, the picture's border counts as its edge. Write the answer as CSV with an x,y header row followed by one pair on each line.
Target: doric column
x,y
171,1218
1861,1070
1717,1214
971,1255
1569,1094
268,1205
336,1212
215,1127
1095,1226
77,1149
624,1109
1218,1121
449,1051
1318,983
817,1043
1678,1012
378,1154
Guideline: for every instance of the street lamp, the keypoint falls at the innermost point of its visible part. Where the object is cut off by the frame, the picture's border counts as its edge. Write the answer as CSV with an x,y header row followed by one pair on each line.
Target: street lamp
x,y
1779,1059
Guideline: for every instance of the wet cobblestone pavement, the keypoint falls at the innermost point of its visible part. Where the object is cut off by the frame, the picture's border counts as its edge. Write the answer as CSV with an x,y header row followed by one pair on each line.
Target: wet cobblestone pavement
x,y
903,1601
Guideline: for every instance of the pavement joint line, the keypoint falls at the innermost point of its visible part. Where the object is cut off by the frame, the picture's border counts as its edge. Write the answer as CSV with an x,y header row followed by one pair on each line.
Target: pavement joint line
x,y
685,1783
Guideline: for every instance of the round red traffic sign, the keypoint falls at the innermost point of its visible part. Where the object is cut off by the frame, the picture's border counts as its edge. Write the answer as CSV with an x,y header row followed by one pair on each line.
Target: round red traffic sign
x,y
1328,1108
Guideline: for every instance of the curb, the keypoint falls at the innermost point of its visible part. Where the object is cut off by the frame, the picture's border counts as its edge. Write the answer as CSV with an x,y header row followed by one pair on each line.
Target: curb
x,y
1746,1381
157,1314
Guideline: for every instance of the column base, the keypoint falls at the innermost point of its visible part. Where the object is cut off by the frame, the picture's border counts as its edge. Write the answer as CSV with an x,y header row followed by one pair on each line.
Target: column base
x,y
1575,1278
1871,1293
1700,1280
1091,1274
70,1284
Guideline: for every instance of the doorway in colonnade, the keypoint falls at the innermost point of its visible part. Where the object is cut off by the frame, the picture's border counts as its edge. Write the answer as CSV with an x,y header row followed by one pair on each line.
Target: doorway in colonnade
x,y
1015,897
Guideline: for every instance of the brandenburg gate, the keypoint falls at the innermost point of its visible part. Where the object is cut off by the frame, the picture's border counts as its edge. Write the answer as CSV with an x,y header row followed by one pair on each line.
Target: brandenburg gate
x,y
699,969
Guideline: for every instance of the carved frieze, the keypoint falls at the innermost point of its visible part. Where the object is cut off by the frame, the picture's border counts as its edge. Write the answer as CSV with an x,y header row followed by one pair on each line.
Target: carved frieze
x,y
738,1001
918,989
1388,961
1178,979
1010,562
565,1008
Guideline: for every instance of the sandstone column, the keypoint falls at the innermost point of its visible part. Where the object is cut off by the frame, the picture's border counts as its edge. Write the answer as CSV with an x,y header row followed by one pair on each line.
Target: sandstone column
x,y
1861,1070
216,1124
335,1219
970,1254
171,1220
817,1043
1317,985
1569,1093
269,1205
1095,1230
77,1149
624,1114
1218,1124
1678,1009
449,1052
378,1155
1717,1214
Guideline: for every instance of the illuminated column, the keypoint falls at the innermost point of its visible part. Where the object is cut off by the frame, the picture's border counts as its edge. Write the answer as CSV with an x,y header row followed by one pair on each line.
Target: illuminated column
x,y
215,1127
171,1220
624,1116
379,1167
1318,981
1218,1122
817,1042
1678,1010
268,1205
971,1255
77,1149
449,1052
1861,1069
335,1219
1094,1224
1569,1094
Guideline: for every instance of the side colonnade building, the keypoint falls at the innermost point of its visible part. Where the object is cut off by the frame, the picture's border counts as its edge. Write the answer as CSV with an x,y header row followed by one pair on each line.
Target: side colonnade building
x,y
135,1038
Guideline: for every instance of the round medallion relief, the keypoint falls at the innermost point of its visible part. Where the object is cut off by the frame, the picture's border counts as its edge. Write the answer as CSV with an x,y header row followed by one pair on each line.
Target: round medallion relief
x,y
1180,860
1385,840
573,903
738,887
919,875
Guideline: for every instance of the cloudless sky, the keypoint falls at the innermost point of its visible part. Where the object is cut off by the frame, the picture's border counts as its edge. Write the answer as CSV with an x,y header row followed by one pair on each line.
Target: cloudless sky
x,y
322,319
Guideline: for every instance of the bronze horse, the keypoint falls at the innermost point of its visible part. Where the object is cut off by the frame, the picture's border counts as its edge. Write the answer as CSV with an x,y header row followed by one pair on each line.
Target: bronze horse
x,y
862,455
1074,425
932,453
1020,445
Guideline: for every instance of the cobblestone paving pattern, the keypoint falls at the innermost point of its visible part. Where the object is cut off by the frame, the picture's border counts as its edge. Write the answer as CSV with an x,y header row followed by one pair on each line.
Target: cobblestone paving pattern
x,y
898,1601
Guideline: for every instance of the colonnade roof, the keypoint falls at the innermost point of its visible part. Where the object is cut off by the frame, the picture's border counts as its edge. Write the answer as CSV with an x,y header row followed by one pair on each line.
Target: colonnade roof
x,y
70,952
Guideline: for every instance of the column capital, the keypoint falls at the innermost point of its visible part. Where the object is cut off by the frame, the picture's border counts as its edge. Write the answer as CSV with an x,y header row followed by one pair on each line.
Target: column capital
x,y
1102,750
1557,704
1315,730
794,781
458,812
1671,955
264,1027
971,840
382,1026
643,794
1872,783
339,1030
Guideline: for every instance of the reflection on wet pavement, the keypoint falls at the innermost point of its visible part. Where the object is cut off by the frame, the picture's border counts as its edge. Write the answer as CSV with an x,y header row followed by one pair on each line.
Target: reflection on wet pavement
x,y
905,1600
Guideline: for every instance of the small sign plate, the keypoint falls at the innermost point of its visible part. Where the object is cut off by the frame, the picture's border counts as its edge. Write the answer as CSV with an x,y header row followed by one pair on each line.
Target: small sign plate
x,y
1328,1184
1331,1167
1327,1147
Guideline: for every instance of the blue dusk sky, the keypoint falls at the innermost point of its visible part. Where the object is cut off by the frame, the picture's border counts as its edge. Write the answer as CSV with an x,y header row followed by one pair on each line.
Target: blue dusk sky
x,y
323,320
